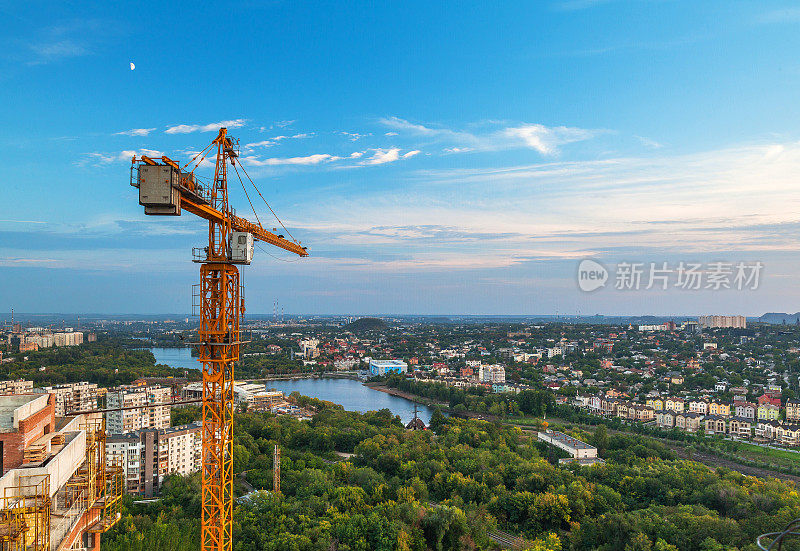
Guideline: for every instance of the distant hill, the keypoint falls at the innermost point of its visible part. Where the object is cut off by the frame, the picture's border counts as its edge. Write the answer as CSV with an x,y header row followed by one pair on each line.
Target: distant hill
x,y
366,324
779,318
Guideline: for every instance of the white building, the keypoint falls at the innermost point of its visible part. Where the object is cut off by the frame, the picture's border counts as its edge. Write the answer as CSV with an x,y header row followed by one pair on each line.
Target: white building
x,y
492,373
134,418
73,397
723,321
147,456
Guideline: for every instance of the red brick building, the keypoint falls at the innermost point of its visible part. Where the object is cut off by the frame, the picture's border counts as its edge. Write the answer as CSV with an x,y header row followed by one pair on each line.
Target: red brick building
x,y
24,418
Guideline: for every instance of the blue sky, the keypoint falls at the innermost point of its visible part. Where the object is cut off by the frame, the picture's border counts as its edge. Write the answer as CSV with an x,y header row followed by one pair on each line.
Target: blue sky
x,y
436,158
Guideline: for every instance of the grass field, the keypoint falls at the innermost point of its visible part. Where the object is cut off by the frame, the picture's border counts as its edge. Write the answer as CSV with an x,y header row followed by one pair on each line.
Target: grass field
x,y
763,454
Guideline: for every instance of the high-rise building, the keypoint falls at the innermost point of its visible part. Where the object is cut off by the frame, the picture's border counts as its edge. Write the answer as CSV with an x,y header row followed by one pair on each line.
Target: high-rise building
x,y
131,418
149,455
17,386
715,321
74,397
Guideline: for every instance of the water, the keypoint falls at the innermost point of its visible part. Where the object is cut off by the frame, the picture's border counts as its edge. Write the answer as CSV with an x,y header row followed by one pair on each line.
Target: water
x,y
180,358
352,395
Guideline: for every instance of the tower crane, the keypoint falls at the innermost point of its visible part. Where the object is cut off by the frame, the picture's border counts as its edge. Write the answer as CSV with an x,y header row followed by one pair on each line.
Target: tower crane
x,y
167,189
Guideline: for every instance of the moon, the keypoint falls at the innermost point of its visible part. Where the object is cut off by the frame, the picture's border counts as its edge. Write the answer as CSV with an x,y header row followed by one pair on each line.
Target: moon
x,y
132,66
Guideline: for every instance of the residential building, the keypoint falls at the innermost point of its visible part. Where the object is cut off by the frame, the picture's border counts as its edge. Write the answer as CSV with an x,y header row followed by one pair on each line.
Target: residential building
x,y
17,386
793,410
745,410
45,465
674,404
149,455
698,406
142,408
716,321
768,412
492,373
74,397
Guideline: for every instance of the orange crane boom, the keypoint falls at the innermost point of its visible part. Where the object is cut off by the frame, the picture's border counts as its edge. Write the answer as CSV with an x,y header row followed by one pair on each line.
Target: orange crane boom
x,y
165,189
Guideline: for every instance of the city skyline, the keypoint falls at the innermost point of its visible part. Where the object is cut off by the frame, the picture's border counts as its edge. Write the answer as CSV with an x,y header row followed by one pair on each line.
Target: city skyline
x,y
463,167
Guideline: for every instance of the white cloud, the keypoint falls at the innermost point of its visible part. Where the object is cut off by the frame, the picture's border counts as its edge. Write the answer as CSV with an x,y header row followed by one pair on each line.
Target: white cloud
x,y
307,160
740,200
214,126
125,155
391,134
381,156
545,139
652,144
354,136
135,132
411,153
263,143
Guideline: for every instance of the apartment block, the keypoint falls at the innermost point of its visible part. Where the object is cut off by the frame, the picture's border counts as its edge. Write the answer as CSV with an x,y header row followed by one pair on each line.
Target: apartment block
x,y
18,386
148,456
74,397
713,322
134,413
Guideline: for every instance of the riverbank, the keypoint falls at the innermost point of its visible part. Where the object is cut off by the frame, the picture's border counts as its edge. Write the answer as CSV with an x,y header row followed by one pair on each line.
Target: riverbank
x,y
529,425
352,375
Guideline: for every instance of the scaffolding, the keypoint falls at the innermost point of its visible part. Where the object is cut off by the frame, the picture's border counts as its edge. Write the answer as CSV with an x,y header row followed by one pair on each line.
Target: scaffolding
x,y
25,515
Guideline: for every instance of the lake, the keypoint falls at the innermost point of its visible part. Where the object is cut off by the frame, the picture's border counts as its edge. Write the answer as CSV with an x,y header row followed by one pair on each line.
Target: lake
x,y
180,358
352,395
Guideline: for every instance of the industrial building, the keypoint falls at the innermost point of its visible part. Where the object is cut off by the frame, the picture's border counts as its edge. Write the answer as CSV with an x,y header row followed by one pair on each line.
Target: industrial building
x,y
57,490
383,367
148,455
580,452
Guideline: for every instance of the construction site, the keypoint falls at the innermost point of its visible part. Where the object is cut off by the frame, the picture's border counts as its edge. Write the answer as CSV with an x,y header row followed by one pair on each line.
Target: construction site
x,y
58,492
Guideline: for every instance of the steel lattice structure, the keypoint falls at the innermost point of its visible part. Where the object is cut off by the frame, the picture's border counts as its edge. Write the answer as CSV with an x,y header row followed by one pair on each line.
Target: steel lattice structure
x,y
168,189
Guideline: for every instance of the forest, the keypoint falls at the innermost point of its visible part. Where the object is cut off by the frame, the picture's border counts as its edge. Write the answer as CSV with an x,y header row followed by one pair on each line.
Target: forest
x,y
107,362
354,481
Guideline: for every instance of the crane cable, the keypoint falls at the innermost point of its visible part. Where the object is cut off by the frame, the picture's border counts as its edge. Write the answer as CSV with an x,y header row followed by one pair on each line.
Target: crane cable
x,y
269,207
203,153
247,195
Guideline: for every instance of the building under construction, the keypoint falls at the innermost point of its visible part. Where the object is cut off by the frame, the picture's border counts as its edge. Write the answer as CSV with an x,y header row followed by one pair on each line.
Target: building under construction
x,y
57,492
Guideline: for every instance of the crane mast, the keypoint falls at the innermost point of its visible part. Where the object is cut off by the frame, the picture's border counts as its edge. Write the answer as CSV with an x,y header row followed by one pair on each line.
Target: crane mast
x,y
165,189
219,335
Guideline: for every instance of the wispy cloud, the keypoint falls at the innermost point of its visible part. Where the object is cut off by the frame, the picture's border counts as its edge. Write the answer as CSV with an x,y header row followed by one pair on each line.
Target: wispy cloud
x,y
275,140
648,142
97,158
378,157
354,136
135,132
314,159
189,128
544,139
739,199
785,15
49,51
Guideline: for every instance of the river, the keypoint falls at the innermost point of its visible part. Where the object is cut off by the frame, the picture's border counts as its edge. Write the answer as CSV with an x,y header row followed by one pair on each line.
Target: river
x,y
352,395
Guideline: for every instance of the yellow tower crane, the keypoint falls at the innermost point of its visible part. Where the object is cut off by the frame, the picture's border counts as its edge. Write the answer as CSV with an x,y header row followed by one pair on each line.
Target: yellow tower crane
x,y
166,189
